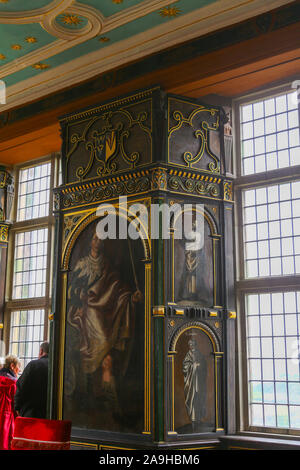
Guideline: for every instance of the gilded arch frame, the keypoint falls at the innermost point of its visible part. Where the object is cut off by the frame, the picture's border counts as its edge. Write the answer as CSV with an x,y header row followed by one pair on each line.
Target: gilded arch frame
x,y
88,217
218,355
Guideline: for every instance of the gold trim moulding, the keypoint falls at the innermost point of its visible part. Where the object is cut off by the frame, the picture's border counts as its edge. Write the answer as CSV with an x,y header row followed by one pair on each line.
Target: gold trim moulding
x,y
193,175
90,183
158,311
179,312
213,314
145,94
84,444
195,448
232,315
108,447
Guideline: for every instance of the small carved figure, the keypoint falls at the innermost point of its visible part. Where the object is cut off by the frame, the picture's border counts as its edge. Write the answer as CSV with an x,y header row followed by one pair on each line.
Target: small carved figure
x,y
194,369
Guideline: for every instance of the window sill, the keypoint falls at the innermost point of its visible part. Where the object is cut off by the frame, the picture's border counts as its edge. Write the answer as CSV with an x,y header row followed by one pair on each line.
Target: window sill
x,y
255,442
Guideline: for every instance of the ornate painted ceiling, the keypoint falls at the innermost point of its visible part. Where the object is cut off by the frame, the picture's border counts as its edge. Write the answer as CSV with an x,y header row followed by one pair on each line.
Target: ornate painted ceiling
x,y
46,45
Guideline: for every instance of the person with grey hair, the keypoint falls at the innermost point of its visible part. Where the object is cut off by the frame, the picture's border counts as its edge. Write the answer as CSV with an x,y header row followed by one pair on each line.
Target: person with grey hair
x,y
8,378
31,394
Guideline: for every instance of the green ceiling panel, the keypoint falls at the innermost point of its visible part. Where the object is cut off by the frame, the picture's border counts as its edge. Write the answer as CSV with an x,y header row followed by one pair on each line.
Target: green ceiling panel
x,y
108,7
21,5
118,34
18,40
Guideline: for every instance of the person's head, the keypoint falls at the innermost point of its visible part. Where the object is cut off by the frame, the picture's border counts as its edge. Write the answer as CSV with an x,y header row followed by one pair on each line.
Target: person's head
x,y
44,349
96,244
13,363
192,344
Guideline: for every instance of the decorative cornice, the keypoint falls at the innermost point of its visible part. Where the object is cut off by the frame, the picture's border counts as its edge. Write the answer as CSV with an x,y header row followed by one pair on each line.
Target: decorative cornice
x,y
109,106
194,183
158,178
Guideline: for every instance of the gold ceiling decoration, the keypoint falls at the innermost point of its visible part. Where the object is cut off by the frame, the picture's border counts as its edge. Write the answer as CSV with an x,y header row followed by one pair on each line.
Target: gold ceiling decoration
x,y
40,66
2,57
71,19
4,1
117,1
169,12
104,39
30,39
16,47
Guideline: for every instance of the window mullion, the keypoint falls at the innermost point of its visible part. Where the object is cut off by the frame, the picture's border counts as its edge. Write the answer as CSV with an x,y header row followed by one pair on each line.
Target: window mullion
x,y
30,255
282,145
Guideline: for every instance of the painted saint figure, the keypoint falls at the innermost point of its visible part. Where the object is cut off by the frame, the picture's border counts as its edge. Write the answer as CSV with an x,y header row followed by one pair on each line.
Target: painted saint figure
x,y
194,271
195,373
102,311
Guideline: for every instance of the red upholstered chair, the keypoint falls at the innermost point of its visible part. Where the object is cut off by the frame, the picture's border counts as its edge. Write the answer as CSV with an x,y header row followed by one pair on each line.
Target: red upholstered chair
x,y
41,434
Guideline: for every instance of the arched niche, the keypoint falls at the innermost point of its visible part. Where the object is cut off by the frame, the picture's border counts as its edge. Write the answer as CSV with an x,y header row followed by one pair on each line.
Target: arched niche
x,y
106,289
195,383
195,266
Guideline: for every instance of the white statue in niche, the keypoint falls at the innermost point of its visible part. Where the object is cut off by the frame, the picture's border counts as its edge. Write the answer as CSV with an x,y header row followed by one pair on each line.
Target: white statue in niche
x,y
195,272
194,369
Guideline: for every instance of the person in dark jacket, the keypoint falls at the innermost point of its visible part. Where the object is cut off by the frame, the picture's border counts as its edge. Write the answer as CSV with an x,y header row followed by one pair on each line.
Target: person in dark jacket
x,y
8,379
31,394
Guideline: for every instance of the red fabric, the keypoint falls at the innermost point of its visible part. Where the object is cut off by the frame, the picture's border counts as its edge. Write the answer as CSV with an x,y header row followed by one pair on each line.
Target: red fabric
x,y
7,393
41,434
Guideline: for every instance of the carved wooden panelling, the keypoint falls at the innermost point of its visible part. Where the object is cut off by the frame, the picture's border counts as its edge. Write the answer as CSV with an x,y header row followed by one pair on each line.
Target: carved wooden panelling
x,y
193,135
108,139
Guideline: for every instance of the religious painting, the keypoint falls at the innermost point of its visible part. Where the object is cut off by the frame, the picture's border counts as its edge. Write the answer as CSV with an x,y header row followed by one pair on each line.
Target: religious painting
x,y
104,352
194,383
193,266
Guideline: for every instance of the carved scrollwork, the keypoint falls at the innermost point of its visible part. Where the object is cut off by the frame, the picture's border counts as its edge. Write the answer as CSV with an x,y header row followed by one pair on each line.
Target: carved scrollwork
x,y
4,231
108,191
159,179
162,179
228,191
201,129
190,185
104,143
